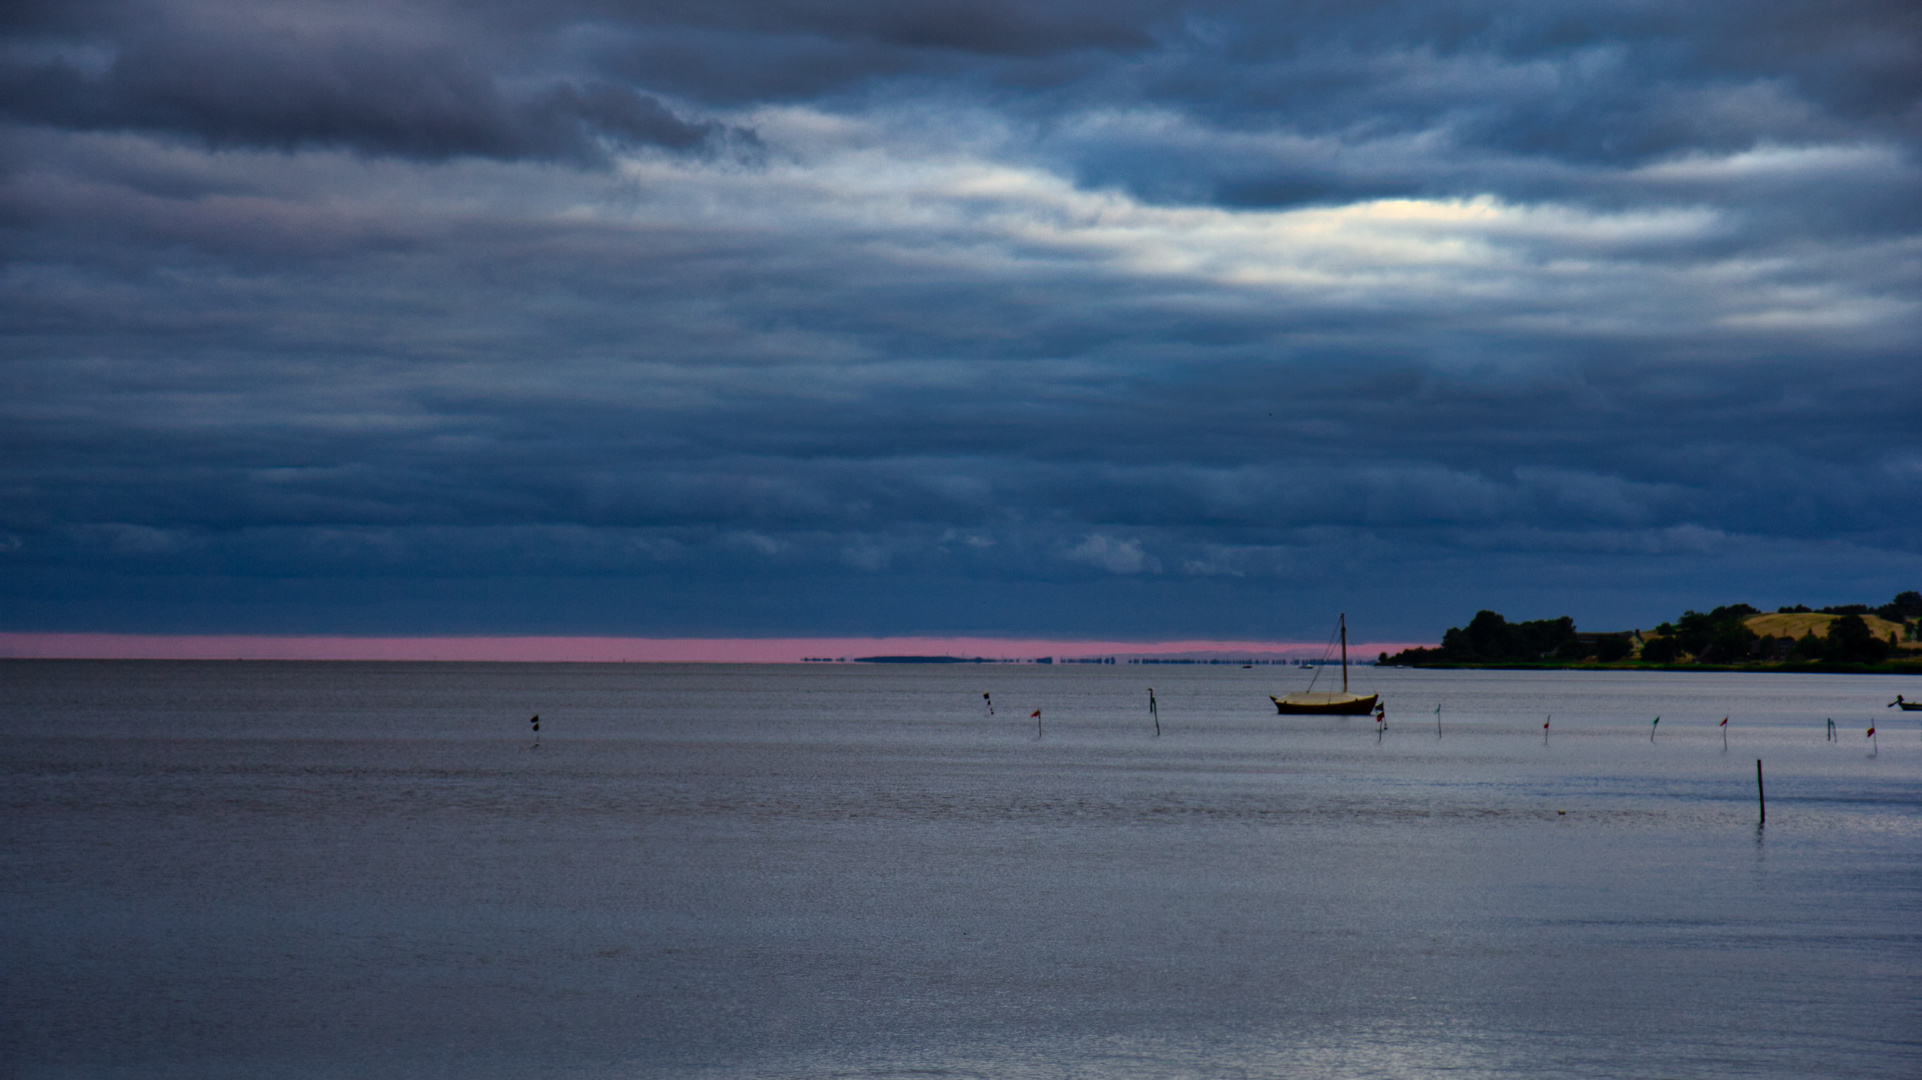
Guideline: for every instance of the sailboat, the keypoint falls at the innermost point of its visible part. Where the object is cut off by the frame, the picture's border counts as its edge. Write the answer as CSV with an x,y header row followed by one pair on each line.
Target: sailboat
x,y
1327,703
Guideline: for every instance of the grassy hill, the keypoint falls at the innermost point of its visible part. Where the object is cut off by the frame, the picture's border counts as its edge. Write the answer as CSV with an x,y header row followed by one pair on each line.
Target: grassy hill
x,y
1797,623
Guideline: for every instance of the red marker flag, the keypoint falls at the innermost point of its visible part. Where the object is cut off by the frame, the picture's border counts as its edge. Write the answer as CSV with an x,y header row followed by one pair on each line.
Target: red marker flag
x,y
1035,715
1545,724
1870,734
1724,722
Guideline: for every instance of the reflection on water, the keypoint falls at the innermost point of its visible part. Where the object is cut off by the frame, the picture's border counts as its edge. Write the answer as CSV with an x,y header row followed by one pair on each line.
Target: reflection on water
x,y
322,869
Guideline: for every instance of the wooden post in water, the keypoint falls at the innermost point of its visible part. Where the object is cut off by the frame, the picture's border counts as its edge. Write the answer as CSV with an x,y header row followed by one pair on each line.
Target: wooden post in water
x,y
1761,799
1154,710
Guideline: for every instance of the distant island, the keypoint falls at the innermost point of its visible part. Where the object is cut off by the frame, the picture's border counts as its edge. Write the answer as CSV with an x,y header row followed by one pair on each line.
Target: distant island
x,y
1737,637
938,660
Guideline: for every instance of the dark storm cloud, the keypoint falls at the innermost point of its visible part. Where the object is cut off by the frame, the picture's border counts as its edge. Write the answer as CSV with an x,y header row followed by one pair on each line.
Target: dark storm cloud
x,y
233,79
1070,318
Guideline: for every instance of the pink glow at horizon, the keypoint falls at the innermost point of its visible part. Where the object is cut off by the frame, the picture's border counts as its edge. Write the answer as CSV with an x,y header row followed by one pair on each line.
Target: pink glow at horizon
x,y
618,649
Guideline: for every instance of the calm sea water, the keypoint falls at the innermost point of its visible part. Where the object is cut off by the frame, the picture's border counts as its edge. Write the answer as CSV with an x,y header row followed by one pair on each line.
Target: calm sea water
x,y
333,870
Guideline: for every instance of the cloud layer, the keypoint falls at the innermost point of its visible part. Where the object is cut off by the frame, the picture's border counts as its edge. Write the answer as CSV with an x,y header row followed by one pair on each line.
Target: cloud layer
x,y
1121,319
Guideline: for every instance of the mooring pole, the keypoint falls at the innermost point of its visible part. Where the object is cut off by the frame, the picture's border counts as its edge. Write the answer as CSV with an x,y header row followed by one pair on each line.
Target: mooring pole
x,y
1761,800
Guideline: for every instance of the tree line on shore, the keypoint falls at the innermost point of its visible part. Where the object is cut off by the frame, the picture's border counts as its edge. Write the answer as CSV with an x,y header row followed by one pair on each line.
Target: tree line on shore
x,y
1724,637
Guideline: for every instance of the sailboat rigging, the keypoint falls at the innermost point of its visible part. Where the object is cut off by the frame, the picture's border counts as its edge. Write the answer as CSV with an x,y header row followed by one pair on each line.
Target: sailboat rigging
x,y
1327,703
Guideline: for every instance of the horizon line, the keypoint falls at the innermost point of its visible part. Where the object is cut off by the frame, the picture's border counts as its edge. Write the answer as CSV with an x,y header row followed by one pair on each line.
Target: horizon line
x,y
607,649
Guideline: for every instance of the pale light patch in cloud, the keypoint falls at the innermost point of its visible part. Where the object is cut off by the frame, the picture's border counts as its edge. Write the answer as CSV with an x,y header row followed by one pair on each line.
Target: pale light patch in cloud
x,y
1114,556
1905,467
1821,308
963,209
1780,162
758,543
1222,560
867,555
1033,211
124,539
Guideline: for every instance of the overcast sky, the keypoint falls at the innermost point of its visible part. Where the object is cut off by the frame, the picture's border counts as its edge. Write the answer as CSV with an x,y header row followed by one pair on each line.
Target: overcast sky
x,y
1109,318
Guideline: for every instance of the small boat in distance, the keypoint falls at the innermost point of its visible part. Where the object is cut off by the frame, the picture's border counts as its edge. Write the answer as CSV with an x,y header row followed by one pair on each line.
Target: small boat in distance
x,y
1906,706
1309,703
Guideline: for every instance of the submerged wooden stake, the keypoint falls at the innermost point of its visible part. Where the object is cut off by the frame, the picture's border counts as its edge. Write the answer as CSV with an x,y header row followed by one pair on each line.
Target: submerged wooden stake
x,y
1761,800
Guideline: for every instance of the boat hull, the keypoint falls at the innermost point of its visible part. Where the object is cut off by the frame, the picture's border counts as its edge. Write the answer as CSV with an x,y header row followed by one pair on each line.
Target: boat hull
x,y
1325,704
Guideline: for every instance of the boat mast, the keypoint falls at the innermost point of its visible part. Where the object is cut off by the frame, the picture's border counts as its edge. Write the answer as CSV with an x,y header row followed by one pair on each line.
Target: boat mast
x,y
1344,652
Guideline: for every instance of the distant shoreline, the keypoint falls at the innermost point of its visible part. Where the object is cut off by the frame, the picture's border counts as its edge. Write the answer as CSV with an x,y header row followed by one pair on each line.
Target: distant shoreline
x,y
1909,667
1847,639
